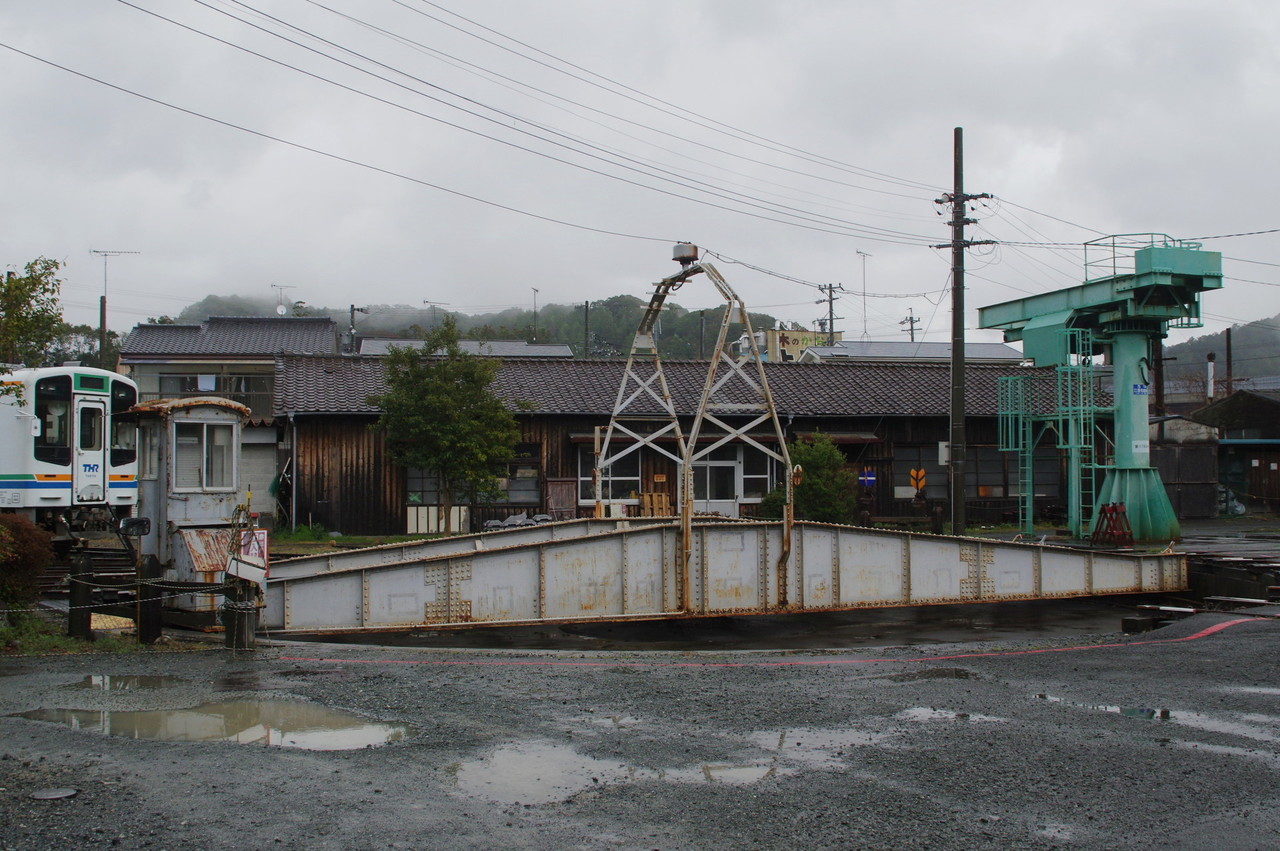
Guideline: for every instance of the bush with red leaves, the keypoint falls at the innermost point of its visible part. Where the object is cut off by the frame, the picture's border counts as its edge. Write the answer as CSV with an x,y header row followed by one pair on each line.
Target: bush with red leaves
x,y
25,552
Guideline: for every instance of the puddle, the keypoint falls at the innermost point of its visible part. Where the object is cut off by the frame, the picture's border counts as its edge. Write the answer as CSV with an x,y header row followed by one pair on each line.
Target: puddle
x,y
1265,690
926,674
928,713
1196,720
541,772
274,723
108,682
538,773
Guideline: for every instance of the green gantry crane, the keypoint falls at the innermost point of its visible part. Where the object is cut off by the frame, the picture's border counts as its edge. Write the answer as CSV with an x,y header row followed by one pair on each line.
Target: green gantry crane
x,y
1137,286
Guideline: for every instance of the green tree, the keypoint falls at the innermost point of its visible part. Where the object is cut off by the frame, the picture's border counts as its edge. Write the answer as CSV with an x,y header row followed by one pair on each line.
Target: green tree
x,y
438,414
30,314
826,493
80,343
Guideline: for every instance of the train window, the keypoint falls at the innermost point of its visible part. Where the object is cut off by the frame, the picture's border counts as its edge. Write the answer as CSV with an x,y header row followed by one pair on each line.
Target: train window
x,y
90,429
53,408
204,457
124,433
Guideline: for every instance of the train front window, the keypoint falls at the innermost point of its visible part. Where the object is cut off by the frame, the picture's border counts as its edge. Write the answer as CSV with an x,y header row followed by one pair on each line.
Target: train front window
x,y
53,408
90,429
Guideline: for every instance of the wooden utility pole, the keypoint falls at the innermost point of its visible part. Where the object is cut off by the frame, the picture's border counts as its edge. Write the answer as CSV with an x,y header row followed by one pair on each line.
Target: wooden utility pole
x,y
958,201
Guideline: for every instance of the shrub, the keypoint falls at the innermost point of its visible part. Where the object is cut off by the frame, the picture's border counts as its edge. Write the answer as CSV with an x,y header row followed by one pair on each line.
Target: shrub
x,y
26,551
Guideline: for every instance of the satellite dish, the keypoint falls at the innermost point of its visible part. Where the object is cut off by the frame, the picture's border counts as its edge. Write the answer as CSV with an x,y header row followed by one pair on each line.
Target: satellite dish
x,y
281,310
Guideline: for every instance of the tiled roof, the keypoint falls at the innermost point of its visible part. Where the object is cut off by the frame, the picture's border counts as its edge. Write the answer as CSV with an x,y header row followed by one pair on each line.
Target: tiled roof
x,y
492,348
903,350
234,335
343,384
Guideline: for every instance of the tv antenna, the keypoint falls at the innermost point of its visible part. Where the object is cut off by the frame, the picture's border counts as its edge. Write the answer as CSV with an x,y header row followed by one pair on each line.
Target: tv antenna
x,y
102,302
281,310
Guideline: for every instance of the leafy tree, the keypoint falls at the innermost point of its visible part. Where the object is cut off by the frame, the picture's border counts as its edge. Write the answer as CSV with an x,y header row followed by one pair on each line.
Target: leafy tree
x,y
438,414
80,343
30,314
826,493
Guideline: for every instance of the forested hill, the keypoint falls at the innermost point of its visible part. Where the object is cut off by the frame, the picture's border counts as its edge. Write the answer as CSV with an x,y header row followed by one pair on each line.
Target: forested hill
x,y
1255,351
682,333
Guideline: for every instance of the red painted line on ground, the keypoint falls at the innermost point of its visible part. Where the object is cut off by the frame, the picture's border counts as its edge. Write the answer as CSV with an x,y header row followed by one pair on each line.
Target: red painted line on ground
x,y
1204,633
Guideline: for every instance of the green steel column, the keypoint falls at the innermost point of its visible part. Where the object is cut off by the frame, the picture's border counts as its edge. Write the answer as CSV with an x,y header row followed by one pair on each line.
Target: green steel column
x,y
1133,445
1133,481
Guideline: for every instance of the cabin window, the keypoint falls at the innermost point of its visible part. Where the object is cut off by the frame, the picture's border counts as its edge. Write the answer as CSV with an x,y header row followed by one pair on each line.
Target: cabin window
x,y
53,408
204,457
620,482
149,459
124,433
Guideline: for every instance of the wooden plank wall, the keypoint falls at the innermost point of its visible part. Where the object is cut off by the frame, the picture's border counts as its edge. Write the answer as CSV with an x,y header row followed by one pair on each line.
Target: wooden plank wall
x,y
345,479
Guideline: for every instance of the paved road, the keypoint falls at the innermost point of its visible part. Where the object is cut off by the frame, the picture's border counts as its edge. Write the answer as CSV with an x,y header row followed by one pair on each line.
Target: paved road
x,y
1170,740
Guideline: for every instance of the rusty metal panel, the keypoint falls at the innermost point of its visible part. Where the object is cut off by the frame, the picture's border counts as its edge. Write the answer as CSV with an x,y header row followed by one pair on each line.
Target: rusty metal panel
x,y
1113,574
872,567
393,597
504,586
646,588
814,557
1010,573
330,603
937,570
1062,572
584,579
732,569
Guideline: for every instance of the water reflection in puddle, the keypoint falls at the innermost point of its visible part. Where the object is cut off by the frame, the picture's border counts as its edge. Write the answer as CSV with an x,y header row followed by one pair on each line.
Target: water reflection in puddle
x,y
258,722
109,682
928,713
540,772
1249,728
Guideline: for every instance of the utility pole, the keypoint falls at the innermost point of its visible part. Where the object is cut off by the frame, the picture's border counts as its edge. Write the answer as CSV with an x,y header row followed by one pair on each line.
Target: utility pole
x,y
102,304
958,201
535,313
830,299
864,255
911,321
351,328
586,329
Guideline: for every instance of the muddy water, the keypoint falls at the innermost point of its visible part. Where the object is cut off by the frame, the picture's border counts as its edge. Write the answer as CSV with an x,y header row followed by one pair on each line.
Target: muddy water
x,y
277,723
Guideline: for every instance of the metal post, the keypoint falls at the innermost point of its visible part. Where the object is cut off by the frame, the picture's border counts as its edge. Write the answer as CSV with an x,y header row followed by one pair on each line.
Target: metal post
x,y
80,599
150,623
240,615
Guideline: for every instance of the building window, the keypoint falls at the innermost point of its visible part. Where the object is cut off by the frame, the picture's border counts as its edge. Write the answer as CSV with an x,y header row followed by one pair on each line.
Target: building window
x,y
521,481
732,473
620,481
149,459
204,457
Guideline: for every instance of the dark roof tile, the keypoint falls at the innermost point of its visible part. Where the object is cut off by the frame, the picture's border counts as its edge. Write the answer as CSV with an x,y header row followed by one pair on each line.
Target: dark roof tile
x,y
242,336
343,385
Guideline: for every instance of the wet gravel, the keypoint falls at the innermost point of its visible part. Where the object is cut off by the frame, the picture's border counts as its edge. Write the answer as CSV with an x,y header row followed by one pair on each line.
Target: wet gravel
x,y
1098,742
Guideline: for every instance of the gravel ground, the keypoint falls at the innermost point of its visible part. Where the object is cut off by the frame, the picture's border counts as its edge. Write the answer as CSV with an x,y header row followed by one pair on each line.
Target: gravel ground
x,y
1169,739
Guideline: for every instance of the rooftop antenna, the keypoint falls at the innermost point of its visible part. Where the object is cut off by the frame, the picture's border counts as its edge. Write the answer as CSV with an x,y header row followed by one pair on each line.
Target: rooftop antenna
x,y
281,310
535,313
102,302
864,255
433,304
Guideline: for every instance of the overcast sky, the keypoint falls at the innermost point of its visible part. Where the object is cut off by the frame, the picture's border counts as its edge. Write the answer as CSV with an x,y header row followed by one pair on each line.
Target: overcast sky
x,y
396,151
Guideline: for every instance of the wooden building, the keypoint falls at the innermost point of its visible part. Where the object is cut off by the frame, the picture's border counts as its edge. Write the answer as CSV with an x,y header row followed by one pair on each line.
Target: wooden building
x,y
888,419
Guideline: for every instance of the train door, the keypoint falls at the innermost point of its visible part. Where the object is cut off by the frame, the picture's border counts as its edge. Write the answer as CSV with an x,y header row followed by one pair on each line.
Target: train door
x,y
89,473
